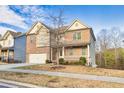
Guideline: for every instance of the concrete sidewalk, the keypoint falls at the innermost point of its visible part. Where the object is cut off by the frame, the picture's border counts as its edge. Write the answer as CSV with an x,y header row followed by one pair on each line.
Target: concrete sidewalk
x,y
63,74
15,84
10,66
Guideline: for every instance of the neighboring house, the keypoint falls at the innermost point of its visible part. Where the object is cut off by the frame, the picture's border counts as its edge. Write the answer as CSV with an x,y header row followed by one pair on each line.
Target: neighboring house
x,y
78,40
7,46
20,48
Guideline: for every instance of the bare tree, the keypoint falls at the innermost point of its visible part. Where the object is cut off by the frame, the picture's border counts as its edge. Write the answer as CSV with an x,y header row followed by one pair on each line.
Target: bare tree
x,y
102,44
57,22
116,40
98,51
106,40
103,38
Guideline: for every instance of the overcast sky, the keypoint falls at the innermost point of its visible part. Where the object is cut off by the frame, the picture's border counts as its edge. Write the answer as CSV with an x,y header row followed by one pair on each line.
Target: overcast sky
x,y
20,18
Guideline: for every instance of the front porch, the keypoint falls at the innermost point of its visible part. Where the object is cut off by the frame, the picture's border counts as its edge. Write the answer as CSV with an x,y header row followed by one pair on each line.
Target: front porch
x,y
73,53
7,55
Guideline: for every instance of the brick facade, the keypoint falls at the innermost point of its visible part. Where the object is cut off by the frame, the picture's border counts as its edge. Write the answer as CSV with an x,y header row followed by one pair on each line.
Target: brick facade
x,y
32,49
85,35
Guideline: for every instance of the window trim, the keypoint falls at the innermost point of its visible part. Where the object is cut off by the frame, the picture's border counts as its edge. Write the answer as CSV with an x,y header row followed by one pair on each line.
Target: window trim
x,y
77,36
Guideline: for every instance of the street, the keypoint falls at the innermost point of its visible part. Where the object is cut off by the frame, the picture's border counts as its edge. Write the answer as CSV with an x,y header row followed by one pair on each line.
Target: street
x,y
1,86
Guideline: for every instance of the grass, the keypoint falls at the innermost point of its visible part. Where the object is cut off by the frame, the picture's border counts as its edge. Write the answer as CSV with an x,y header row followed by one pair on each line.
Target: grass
x,y
78,69
57,82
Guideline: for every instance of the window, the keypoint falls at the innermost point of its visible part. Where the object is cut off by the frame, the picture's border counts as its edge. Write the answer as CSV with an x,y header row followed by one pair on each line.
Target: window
x,y
77,36
74,36
83,51
70,51
76,24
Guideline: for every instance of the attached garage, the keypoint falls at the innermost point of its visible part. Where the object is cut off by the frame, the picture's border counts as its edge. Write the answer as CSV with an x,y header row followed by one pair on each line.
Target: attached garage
x,y
37,58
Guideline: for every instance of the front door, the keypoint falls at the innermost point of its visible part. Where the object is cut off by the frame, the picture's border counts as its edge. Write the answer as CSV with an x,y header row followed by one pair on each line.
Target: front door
x,y
54,53
61,53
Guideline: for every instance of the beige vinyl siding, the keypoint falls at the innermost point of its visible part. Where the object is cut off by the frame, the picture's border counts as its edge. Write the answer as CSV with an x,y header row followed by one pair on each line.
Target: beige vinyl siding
x,y
77,25
8,42
42,38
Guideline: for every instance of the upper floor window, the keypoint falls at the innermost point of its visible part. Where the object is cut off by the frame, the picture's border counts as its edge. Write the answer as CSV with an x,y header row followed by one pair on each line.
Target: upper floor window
x,y
77,36
76,24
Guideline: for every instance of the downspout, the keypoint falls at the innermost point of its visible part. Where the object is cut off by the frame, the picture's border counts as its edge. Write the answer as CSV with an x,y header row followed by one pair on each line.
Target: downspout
x,y
88,63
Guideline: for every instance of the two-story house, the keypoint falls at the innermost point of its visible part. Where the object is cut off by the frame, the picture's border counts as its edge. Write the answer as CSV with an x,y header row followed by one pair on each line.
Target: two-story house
x,y
7,46
78,40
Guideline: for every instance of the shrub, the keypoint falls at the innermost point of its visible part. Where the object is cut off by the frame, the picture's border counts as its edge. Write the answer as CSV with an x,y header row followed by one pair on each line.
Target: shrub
x,y
17,61
48,61
82,60
61,60
108,59
74,63
66,63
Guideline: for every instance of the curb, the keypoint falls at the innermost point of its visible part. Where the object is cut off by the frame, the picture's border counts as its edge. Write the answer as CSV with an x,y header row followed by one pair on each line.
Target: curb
x,y
19,83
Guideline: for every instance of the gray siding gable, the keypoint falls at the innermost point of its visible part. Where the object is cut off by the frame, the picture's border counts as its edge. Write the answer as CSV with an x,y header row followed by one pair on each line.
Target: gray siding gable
x,y
20,49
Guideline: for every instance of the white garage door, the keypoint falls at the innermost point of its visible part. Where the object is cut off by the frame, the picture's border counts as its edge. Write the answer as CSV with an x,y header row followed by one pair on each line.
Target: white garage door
x,y
37,58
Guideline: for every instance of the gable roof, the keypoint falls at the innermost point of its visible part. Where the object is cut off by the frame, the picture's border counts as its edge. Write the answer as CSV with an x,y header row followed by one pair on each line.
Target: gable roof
x,y
14,34
75,22
61,29
65,28
40,24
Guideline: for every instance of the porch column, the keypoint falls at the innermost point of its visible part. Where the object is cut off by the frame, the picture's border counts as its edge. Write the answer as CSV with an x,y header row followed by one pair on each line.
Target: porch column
x,y
88,56
2,55
8,55
51,58
63,51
